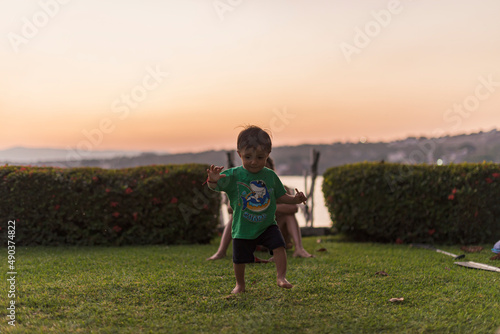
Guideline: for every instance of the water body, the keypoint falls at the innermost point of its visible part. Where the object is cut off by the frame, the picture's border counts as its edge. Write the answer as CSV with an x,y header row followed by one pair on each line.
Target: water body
x,y
321,215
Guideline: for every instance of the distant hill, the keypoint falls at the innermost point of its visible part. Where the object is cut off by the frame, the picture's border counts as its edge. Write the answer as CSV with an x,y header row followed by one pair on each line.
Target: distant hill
x,y
293,160
34,155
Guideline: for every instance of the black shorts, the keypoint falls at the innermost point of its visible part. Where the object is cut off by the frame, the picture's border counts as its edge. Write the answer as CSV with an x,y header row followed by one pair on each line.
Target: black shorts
x,y
243,249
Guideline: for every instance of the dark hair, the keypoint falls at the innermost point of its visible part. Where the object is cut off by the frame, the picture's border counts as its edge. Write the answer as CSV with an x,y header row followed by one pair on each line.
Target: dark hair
x,y
254,137
270,163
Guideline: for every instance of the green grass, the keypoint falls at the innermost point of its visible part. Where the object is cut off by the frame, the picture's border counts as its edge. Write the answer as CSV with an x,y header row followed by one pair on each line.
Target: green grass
x,y
154,289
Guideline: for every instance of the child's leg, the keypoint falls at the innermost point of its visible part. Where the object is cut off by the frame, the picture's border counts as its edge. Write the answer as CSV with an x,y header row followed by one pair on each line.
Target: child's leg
x,y
273,239
279,255
243,250
224,242
239,272
283,225
293,228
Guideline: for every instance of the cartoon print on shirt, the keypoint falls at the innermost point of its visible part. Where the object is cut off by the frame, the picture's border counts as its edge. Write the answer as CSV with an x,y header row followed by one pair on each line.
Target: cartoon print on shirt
x,y
258,198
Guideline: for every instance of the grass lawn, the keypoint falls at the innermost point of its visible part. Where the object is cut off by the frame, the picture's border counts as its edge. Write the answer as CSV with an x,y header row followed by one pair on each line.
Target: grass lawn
x,y
159,289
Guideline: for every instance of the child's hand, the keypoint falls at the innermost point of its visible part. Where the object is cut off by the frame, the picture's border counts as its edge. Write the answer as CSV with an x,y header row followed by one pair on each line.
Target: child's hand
x,y
214,174
300,197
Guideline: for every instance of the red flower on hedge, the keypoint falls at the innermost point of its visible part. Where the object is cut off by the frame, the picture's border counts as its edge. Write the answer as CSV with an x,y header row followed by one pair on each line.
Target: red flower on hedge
x,y
128,191
451,197
107,190
432,231
495,175
135,216
454,191
156,200
399,241
174,200
114,204
116,214
476,213
95,178
488,180
117,228
56,207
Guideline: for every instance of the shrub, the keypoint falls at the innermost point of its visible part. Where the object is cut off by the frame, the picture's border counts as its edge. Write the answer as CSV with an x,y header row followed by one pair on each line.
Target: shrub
x,y
90,206
457,203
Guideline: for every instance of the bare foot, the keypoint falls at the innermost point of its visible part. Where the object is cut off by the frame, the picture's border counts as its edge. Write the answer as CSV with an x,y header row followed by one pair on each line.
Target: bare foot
x,y
301,253
283,283
216,256
238,289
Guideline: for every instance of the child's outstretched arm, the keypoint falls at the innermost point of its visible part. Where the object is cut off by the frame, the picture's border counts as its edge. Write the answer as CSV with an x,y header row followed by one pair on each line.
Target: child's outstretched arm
x,y
214,176
289,199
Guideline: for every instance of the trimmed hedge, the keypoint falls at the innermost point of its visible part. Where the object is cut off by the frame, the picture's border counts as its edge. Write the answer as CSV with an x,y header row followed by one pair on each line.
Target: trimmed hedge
x,y
91,206
452,204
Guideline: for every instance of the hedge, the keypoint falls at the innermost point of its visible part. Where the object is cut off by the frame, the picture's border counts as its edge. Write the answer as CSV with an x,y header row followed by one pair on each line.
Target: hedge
x,y
90,206
451,204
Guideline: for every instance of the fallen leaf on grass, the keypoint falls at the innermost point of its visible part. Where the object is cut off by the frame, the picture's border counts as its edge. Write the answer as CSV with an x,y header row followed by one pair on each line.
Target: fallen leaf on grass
x,y
471,249
321,250
381,273
318,241
495,257
396,300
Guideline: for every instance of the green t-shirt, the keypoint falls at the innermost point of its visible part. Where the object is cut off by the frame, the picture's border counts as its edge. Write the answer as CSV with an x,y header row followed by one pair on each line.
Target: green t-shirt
x,y
252,197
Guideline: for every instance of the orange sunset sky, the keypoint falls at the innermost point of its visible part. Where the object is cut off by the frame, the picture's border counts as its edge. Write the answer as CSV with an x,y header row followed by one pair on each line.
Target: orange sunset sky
x,y
177,76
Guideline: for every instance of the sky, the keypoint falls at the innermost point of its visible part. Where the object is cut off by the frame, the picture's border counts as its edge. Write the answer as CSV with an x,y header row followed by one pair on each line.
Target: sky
x,y
186,75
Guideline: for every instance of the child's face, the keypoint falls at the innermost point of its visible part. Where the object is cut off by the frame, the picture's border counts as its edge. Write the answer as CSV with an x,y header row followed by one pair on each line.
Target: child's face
x,y
253,159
